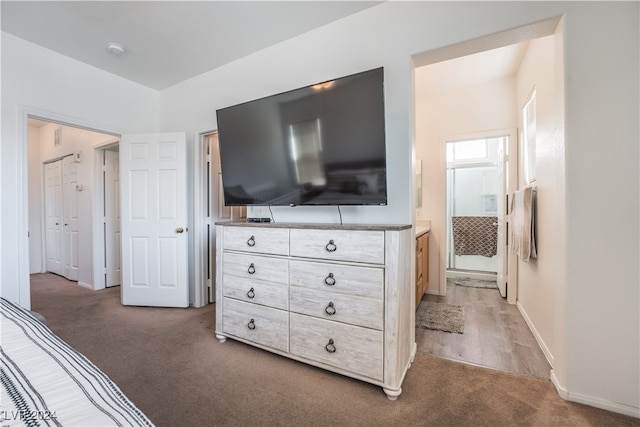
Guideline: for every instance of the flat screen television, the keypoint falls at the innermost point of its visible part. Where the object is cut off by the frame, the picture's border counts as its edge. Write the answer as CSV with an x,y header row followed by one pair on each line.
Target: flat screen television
x,y
322,144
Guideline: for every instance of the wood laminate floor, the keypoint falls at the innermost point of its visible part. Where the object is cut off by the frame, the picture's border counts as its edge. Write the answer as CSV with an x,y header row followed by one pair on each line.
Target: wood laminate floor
x,y
495,334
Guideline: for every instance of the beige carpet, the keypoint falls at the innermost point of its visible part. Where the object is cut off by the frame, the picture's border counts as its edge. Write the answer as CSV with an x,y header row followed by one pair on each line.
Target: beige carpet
x,y
168,362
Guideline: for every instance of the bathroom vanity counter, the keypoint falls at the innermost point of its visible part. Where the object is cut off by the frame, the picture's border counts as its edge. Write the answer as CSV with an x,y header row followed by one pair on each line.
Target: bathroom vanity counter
x,y
422,227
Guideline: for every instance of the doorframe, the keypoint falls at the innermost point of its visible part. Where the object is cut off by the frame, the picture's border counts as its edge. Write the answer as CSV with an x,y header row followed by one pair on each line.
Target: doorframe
x,y
200,221
97,218
22,164
205,292
512,183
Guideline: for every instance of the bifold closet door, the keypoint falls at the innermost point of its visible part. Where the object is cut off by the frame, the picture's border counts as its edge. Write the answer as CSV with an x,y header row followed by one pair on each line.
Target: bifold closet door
x,y
70,239
53,217
61,217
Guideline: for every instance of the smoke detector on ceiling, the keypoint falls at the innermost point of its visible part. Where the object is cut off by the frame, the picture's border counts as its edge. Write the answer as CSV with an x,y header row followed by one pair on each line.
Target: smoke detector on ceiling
x,y
116,49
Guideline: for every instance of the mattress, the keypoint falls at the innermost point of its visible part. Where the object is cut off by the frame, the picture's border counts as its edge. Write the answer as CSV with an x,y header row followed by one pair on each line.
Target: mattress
x,y
45,382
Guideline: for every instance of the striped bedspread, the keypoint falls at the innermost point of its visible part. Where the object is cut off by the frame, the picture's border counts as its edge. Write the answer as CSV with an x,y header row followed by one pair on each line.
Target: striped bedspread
x,y
45,382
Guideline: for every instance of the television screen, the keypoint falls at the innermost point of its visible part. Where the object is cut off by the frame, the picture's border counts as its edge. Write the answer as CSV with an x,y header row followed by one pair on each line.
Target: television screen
x,y
322,144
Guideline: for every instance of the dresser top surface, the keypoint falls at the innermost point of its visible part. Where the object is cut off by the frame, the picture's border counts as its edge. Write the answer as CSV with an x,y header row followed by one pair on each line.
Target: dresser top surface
x,y
372,227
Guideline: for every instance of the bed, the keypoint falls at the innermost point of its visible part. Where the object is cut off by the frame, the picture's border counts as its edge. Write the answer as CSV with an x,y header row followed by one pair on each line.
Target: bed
x,y
45,382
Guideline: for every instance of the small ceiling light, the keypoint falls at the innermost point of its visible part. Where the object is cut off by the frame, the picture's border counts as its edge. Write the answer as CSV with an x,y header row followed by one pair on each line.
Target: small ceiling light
x,y
116,49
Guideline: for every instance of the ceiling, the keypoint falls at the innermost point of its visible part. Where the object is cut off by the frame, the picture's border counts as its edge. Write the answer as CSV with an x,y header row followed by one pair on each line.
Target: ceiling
x,y
470,70
166,42
37,123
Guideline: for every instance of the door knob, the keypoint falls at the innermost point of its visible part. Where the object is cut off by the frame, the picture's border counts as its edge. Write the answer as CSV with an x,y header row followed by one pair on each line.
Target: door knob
x,y
179,230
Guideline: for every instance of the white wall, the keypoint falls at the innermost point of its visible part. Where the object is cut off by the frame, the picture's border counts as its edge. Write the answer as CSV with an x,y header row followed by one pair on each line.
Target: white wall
x,y
601,317
540,280
37,80
599,324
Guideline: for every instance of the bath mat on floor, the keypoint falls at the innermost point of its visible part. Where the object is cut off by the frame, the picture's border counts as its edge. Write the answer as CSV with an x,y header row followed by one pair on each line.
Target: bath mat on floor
x,y
440,317
476,283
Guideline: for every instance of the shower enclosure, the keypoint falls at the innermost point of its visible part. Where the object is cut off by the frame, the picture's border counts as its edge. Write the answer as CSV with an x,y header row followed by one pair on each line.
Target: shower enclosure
x,y
475,206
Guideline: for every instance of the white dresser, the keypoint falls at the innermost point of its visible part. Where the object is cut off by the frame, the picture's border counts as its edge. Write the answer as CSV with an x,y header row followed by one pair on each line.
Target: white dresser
x,y
334,296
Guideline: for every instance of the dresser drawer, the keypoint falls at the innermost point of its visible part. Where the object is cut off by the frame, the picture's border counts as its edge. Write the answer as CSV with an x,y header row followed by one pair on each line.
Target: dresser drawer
x,y
351,348
256,267
246,289
355,310
256,323
346,279
342,245
257,239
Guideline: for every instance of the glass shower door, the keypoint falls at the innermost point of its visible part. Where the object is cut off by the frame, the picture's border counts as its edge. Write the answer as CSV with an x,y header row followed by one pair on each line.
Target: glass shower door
x,y
472,208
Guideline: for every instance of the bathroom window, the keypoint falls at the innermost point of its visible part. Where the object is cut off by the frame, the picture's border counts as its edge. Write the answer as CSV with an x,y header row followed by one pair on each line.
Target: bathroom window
x,y
529,138
467,150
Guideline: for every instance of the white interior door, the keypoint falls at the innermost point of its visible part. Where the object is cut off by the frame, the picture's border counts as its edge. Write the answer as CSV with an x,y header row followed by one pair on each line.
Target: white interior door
x,y
53,216
511,184
154,220
70,191
113,254
501,209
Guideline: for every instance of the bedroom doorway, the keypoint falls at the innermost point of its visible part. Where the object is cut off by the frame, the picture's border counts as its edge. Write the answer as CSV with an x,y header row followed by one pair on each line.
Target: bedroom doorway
x,y
457,91
37,138
208,208
61,192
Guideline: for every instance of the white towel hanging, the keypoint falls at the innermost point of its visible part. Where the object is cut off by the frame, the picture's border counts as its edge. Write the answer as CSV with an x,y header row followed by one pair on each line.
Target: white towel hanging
x,y
523,224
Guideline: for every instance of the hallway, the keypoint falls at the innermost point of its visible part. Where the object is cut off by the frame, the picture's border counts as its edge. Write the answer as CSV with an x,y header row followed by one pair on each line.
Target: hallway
x,y
495,334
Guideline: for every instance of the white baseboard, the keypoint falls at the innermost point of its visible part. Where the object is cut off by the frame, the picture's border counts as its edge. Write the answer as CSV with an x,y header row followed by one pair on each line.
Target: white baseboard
x,y
618,408
562,392
536,335
85,285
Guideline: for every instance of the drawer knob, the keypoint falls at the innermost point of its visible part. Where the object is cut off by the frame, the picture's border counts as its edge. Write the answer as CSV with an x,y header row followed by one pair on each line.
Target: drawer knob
x,y
331,247
251,325
251,294
329,280
330,347
251,269
251,241
330,309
